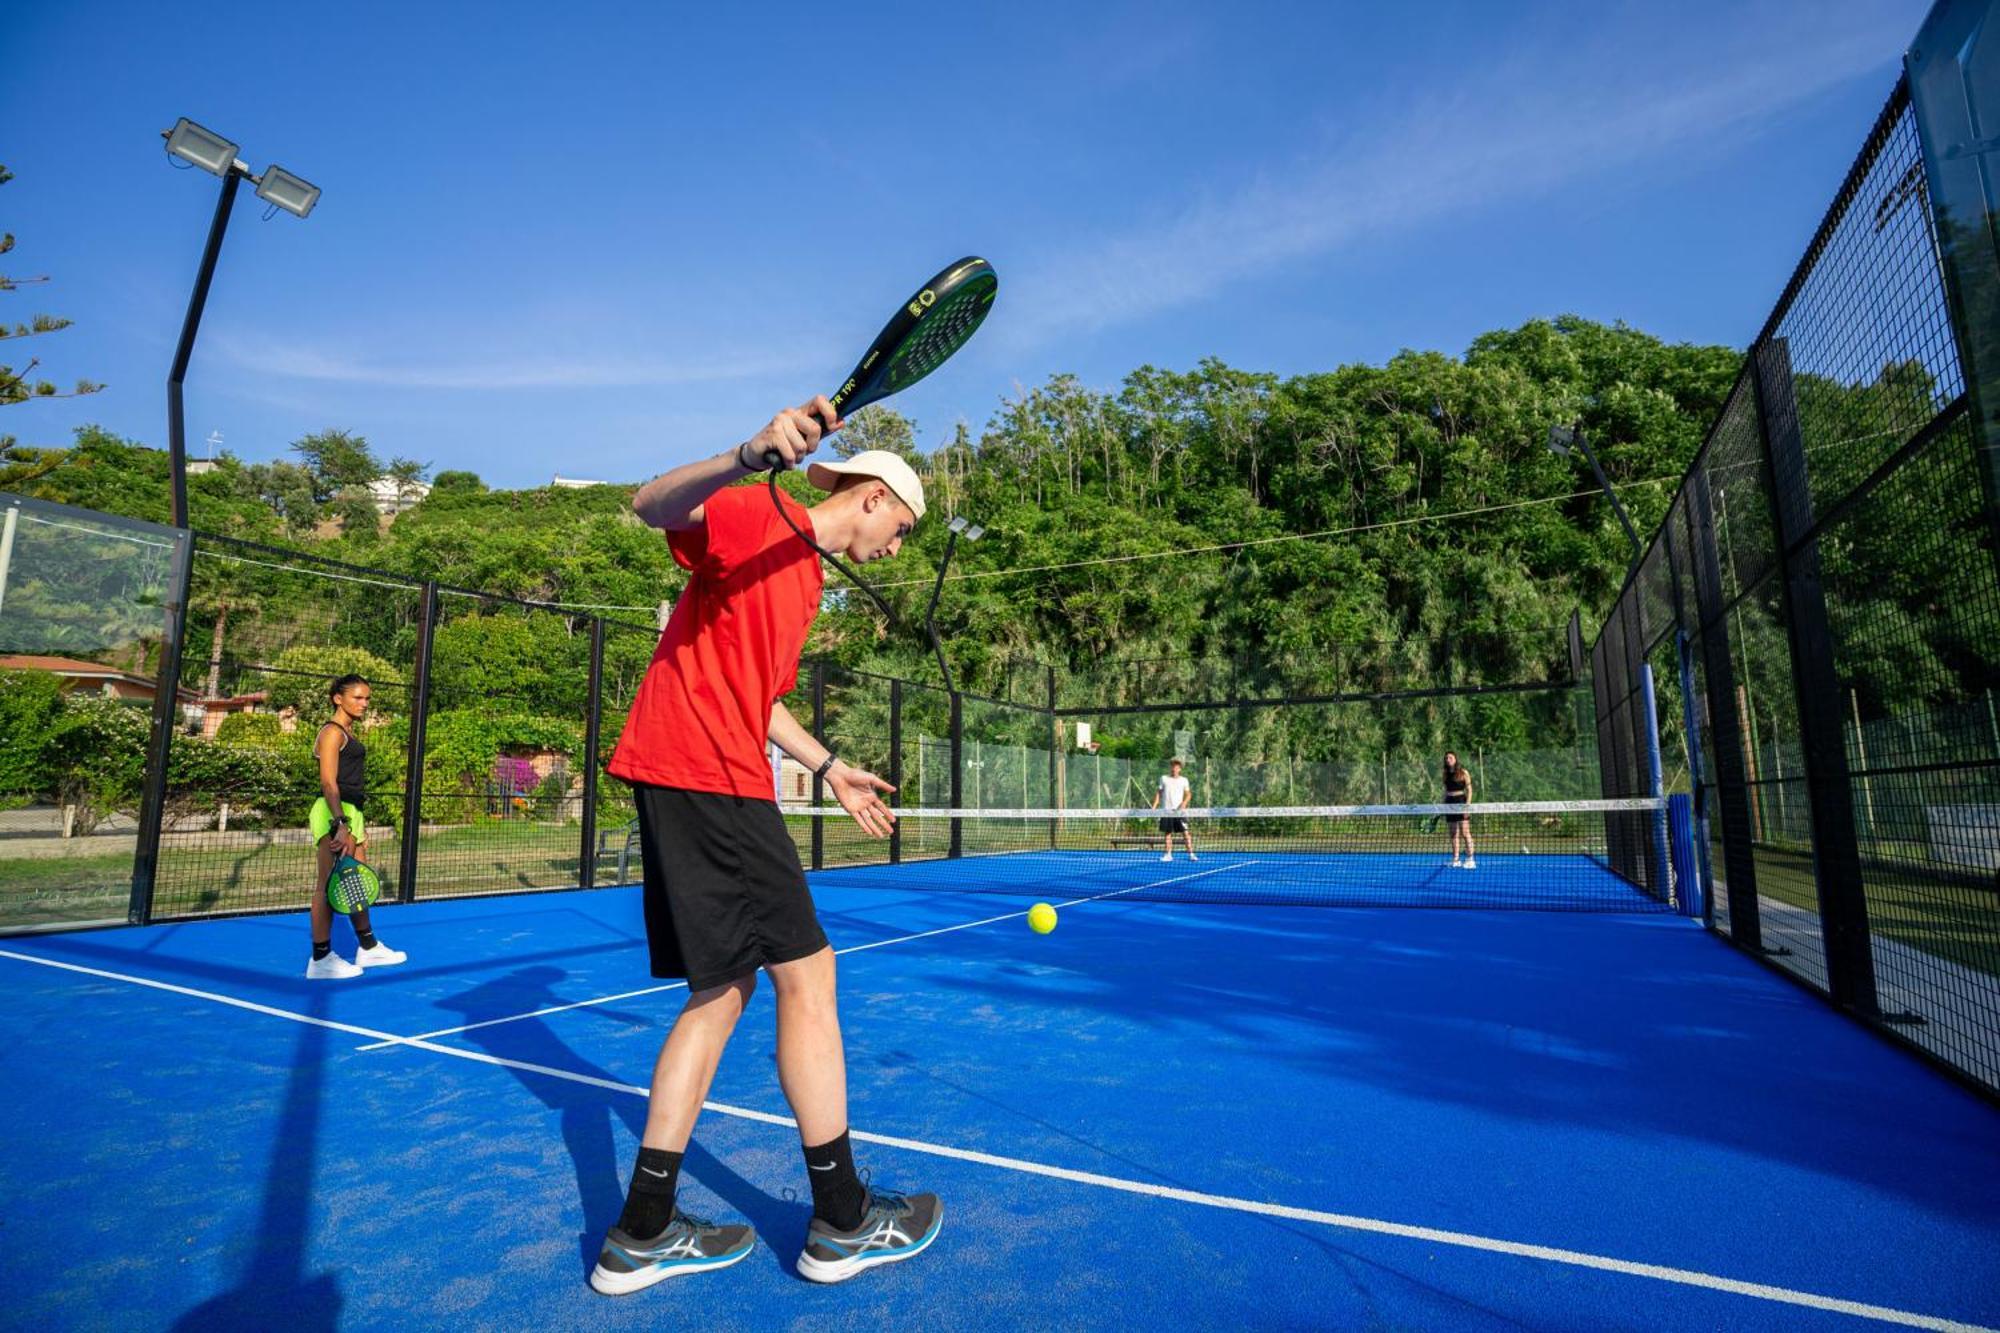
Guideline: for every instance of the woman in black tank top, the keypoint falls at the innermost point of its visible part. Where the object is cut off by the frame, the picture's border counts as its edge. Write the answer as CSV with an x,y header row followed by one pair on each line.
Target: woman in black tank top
x,y
338,831
1458,791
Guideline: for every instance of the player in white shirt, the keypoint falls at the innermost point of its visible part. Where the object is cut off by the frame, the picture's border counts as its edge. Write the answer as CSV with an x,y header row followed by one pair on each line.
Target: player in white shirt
x,y
1170,799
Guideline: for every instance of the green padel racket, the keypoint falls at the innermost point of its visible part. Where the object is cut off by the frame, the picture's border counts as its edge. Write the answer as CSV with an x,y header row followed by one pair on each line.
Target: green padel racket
x,y
353,886
936,321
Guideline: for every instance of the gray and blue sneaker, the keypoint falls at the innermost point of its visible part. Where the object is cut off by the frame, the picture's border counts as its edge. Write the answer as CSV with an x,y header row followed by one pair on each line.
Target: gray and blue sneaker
x,y
894,1227
688,1245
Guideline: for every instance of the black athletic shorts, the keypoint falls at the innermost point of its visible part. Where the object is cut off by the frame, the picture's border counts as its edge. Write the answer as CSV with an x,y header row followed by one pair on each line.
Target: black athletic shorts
x,y
1455,798
724,891
1173,824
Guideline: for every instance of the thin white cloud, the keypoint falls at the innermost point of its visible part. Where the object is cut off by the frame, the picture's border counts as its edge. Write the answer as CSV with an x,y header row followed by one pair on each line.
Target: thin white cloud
x,y
1524,128
521,368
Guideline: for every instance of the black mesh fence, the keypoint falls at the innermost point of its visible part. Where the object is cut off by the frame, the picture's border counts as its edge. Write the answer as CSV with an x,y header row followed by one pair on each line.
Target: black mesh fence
x,y
267,633
1821,617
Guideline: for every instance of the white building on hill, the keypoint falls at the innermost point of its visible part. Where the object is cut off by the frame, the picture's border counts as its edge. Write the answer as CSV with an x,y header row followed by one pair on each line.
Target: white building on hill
x,y
392,497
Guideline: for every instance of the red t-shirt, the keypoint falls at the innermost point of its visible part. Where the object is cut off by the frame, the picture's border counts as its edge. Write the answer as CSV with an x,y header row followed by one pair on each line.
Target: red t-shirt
x,y
730,650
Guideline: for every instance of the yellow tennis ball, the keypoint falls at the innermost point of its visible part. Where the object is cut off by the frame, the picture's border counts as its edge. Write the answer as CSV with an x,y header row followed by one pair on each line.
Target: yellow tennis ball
x,y
1041,918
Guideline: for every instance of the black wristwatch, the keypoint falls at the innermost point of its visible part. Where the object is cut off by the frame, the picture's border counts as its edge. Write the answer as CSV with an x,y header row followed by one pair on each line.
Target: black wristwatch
x,y
825,768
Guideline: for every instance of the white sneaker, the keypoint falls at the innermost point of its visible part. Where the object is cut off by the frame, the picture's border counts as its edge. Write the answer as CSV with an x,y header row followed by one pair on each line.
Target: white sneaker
x,y
1471,864
1168,857
331,968
1456,863
379,956
1193,857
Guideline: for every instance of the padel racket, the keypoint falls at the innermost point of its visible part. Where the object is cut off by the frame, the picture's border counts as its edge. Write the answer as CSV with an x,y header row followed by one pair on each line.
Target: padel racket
x,y
353,886
936,321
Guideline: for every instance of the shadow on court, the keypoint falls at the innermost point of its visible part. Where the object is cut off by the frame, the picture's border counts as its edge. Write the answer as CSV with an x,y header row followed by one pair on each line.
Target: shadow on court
x,y
590,1116
273,1289
1629,1024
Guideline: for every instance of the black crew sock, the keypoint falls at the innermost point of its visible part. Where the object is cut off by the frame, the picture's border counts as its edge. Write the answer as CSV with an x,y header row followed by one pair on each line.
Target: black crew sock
x,y
321,948
649,1204
365,937
838,1198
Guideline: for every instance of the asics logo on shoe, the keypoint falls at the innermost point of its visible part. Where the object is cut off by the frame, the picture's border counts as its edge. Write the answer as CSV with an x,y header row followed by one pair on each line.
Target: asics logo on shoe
x,y
681,1247
886,1235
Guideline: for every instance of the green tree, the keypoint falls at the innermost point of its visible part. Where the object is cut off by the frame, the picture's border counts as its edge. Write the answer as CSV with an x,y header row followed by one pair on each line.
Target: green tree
x,y
299,676
878,427
338,461
17,386
457,483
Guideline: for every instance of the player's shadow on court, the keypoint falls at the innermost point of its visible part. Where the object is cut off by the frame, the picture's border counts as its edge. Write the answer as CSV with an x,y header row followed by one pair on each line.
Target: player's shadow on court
x,y
589,1114
273,1289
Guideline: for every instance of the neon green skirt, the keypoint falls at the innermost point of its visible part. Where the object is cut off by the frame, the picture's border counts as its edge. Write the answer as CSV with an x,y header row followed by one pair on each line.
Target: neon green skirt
x,y
320,821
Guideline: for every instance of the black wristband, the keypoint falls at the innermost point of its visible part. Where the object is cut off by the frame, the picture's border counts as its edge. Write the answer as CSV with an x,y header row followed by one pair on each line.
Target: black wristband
x,y
824,768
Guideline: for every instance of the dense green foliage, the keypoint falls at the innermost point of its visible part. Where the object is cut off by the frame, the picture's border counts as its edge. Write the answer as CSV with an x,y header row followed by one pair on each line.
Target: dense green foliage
x,y
1211,534
1207,533
23,384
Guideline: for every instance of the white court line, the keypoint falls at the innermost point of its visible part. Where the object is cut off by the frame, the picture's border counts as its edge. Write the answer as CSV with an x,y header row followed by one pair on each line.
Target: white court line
x,y
1686,1277
852,948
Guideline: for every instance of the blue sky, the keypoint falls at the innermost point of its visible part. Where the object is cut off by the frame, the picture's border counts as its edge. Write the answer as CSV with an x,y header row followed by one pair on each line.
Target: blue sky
x,y
603,239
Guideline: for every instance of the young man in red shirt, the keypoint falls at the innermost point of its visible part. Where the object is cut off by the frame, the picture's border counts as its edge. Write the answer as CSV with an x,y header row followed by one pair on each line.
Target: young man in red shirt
x,y
724,893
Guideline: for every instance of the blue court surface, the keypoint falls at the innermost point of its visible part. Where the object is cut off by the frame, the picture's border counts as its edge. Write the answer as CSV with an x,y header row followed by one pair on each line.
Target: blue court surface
x,y
1162,1115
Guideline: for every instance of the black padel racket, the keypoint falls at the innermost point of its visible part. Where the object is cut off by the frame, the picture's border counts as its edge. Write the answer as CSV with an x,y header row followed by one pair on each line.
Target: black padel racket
x,y
936,321
921,336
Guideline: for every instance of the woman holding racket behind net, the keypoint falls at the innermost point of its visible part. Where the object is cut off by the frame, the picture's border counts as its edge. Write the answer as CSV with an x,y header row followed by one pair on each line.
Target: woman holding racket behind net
x,y
338,831
1458,791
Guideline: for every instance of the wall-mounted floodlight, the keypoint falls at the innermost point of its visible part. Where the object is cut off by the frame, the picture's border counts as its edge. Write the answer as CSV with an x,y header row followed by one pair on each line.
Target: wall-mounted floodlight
x,y
280,187
959,526
1562,439
202,148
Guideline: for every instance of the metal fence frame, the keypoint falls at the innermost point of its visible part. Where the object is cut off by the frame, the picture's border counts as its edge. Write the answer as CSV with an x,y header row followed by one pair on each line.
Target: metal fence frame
x,y
1685,600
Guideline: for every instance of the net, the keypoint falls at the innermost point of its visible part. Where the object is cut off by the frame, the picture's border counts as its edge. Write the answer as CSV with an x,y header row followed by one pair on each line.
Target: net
x,y
1580,856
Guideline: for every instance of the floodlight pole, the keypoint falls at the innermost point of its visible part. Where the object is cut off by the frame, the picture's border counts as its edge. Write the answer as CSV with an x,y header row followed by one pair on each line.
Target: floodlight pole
x,y
930,611
973,533
176,425
1576,438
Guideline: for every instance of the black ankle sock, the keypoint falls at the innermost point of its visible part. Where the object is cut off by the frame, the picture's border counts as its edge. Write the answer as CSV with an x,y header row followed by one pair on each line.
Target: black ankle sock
x,y
365,937
838,1197
321,948
649,1204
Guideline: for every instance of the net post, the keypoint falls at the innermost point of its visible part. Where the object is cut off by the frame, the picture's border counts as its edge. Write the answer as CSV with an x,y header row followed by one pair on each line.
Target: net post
x,y
1649,724
1055,758
1732,792
896,765
586,874
1843,900
160,741
957,845
413,768
819,783
1684,604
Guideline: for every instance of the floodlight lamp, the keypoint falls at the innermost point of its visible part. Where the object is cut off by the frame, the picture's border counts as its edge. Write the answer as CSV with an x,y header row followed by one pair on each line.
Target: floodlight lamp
x,y
1560,438
281,188
974,533
202,148
956,525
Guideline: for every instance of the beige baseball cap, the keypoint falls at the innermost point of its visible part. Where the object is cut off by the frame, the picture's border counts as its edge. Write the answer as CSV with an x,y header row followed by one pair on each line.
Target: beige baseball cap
x,y
880,464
